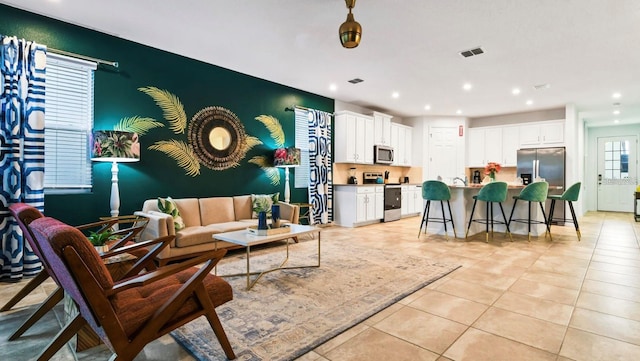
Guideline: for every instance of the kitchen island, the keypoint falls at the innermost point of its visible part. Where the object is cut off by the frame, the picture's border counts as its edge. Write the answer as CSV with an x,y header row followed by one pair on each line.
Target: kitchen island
x,y
462,203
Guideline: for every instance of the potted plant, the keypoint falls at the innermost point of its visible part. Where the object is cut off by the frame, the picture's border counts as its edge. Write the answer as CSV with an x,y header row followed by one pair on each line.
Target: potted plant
x,y
99,239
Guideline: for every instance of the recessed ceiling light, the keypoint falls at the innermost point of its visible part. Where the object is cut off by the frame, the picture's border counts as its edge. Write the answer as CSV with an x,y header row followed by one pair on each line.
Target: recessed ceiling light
x,y
459,111
333,87
427,107
529,102
395,95
616,121
616,95
467,86
515,91
616,112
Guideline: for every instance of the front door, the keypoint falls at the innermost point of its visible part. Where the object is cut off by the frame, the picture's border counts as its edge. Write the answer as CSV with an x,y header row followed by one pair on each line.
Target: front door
x,y
617,175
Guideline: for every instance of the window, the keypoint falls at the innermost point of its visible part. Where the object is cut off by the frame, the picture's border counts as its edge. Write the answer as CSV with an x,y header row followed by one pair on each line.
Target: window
x,y
302,142
68,124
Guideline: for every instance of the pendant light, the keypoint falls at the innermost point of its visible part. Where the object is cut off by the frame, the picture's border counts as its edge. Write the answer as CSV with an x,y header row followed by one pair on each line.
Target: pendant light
x,y
350,31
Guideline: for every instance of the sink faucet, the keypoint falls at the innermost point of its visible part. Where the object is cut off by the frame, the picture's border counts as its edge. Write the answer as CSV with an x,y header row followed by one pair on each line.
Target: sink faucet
x,y
464,181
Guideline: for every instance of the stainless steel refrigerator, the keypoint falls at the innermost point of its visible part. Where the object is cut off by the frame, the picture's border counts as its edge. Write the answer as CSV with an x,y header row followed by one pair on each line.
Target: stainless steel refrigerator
x,y
547,163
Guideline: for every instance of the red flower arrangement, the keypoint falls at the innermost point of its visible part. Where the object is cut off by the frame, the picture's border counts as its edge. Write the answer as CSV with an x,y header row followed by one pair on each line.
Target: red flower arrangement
x,y
491,169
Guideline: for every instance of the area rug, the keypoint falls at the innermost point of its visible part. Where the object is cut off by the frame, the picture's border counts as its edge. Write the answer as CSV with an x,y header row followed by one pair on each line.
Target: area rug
x,y
290,312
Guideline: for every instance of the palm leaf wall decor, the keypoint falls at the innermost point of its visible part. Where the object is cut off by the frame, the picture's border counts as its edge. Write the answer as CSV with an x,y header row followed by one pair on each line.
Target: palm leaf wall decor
x,y
171,106
273,173
250,142
274,127
181,152
137,124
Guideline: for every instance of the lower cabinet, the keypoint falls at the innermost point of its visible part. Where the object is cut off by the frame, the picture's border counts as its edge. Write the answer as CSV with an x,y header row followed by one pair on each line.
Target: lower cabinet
x,y
358,205
411,200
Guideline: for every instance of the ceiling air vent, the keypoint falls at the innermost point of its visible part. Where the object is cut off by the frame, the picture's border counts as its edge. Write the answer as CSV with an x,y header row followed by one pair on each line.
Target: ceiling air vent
x,y
472,52
355,81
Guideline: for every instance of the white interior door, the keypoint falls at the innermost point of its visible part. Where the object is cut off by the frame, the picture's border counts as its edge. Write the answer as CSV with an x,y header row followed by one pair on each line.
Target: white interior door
x,y
443,153
617,177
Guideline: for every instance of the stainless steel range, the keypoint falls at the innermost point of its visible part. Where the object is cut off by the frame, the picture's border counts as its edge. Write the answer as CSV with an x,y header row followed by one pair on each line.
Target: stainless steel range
x,y
392,202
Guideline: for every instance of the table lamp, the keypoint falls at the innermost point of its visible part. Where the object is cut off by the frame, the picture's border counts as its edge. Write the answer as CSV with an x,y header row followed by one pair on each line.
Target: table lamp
x,y
115,147
286,158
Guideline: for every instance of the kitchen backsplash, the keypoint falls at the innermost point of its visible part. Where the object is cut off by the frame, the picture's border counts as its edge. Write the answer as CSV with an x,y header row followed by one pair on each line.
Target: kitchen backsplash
x,y
341,172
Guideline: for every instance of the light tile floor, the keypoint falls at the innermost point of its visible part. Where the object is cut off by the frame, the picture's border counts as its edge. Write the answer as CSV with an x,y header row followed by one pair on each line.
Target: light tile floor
x,y
539,300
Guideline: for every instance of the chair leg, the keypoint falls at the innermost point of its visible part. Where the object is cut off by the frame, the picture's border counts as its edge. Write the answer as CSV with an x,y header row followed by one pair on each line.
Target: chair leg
x,y
515,201
505,221
451,216
30,286
546,223
575,220
486,225
473,208
425,218
529,221
45,307
444,220
552,207
62,337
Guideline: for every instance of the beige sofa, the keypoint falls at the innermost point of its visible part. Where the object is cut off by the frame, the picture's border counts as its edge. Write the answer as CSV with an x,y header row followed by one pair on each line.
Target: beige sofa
x,y
203,217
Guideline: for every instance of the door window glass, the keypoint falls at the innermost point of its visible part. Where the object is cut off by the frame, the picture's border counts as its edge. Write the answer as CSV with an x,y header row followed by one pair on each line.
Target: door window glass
x,y
616,159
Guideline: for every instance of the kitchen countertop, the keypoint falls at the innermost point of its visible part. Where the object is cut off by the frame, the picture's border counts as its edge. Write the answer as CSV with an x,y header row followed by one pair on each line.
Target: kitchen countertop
x,y
376,184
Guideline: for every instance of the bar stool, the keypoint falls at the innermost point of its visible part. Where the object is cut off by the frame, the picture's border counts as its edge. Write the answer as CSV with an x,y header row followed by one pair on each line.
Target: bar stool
x,y
494,192
433,190
570,195
534,192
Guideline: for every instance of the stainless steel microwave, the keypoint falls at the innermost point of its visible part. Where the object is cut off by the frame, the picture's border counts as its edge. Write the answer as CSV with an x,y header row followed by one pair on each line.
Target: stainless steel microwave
x,y
382,154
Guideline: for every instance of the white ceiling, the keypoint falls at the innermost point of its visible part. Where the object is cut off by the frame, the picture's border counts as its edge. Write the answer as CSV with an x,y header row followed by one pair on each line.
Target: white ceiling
x,y
584,49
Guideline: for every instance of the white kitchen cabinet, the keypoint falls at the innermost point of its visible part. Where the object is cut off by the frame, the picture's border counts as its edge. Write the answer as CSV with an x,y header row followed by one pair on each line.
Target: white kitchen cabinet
x,y
381,128
542,134
411,200
510,145
401,142
484,146
354,138
358,205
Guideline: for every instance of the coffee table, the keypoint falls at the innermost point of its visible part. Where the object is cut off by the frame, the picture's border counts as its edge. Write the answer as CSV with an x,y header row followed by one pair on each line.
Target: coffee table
x,y
247,240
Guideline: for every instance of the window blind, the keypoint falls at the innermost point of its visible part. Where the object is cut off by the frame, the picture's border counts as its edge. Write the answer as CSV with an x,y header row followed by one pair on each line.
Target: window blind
x,y
68,123
302,142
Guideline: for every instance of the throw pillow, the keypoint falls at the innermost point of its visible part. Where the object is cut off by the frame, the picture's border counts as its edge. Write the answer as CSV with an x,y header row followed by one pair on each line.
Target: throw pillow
x,y
263,203
169,206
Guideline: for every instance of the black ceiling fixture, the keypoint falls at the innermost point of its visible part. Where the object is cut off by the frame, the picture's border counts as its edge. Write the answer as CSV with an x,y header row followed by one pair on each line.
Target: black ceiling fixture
x,y
350,31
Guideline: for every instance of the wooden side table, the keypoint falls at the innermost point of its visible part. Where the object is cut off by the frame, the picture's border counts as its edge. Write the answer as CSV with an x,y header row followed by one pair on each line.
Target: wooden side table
x,y
636,215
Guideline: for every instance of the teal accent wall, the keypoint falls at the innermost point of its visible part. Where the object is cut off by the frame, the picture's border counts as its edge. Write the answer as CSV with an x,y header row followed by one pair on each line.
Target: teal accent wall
x,y
197,84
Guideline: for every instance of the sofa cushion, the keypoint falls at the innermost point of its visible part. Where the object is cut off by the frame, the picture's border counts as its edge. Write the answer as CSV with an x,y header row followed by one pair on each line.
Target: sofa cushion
x,y
169,206
242,207
229,226
216,210
192,236
263,203
189,210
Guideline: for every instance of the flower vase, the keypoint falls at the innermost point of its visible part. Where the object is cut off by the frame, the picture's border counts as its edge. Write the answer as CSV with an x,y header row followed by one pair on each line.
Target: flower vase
x,y
492,176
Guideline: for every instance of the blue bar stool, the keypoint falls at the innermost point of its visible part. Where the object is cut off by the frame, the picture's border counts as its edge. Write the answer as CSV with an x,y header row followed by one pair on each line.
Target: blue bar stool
x,y
433,190
534,192
570,195
494,192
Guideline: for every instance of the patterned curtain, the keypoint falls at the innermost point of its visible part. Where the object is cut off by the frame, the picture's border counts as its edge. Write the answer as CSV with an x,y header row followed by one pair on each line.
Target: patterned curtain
x,y
320,179
22,82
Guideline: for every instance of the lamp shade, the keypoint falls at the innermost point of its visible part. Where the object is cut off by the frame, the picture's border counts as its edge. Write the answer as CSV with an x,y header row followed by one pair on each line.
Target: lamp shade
x,y
286,157
115,146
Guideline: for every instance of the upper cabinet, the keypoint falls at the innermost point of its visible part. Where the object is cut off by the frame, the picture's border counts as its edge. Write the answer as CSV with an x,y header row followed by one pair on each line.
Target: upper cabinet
x,y
543,134
484,146
401,142
381,129
510,145
353,138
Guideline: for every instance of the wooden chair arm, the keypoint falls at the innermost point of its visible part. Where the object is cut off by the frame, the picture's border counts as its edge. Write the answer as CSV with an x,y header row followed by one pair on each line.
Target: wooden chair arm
x,y
210,258
132,247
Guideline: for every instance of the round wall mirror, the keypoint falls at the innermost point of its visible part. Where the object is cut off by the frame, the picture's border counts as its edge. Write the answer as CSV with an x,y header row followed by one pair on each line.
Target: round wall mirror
x,y
220,138
217,137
